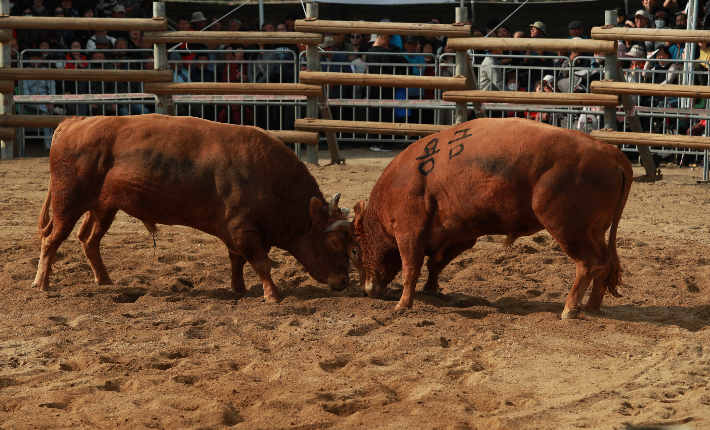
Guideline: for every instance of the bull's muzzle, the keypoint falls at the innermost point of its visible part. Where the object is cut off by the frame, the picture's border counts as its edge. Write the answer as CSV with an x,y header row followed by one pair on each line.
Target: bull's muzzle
x,y
375,291
339,283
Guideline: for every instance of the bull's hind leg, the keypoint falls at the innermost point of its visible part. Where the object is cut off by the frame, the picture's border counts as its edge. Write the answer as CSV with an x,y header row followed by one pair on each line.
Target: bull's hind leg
x,y
53,235
587,257
596,296
238,262
436,263
92,230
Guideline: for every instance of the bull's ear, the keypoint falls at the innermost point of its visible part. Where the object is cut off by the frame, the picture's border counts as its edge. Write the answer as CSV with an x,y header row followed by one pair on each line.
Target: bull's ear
x,y
318,215
359,209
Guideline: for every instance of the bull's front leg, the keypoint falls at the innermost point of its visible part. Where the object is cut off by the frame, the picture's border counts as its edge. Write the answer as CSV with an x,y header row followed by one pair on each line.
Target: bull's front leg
x,y
238,262
249,247
412,254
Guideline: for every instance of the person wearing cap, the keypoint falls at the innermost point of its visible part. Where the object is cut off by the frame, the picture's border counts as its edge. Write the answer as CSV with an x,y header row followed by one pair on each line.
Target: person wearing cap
x,y
118,11
411,43
641,20
576,29
198,21
660,19
537,30
92,45
637,54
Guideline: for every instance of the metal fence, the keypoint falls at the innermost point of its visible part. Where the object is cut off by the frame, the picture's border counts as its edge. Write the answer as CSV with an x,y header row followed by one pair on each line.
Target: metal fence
x,y
408,105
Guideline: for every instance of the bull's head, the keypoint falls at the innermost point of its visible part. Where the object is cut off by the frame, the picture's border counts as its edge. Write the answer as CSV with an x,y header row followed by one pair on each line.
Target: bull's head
x,y
329,250
365,255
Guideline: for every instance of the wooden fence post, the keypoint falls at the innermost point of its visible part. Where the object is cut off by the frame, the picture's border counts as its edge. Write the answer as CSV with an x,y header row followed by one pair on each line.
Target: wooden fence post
x,y
462,65
312,63
7,150
163,102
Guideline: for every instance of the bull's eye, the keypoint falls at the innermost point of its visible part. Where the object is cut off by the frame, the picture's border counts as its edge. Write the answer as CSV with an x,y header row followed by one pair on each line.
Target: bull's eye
x,y
355,251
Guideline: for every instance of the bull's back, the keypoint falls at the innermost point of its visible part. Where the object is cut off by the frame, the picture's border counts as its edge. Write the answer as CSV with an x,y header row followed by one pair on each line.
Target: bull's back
x,y
169,170
488,169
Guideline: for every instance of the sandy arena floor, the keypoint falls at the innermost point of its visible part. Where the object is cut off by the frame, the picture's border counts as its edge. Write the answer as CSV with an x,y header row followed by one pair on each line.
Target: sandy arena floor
x,y
171,346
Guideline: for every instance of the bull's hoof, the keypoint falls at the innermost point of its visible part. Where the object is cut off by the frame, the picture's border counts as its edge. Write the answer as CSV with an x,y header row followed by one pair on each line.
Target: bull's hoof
x,y
403,305
272,299
104,281
571,314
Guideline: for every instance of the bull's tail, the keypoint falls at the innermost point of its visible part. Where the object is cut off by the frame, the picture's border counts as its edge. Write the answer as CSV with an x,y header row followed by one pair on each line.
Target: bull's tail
x,y
44,221
611,276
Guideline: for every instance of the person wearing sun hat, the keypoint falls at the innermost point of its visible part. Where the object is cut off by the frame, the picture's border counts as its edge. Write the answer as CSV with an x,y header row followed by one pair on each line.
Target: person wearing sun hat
x,y
538,29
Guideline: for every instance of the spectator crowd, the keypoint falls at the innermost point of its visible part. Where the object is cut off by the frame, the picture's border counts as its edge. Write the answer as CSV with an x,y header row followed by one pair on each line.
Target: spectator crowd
x,y
497,70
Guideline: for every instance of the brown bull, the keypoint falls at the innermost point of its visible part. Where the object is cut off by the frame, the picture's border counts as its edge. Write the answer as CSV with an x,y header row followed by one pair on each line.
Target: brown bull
x,y
510,177
236,183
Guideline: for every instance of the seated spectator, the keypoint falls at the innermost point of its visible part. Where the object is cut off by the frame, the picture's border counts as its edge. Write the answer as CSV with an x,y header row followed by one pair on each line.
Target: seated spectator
x,y
36,87
537,30
268,26
183,24
26,37
661,71
68,8
340,43
512,83
576,29
101,38
198,21
681,20
142,9
64,37
98,59
357,45
201,73
676,49
126,87
40,9
134,39
491,73
395,39
235,70
650,7
215,24
180,71
14,53
331,61
641,21
290,22
701,69
86,11
75,59
621,17
492,24
118,11
234,25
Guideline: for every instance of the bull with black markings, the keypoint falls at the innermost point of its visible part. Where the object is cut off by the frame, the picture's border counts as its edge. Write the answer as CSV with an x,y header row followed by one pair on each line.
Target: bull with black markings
x,y
511,177
237,183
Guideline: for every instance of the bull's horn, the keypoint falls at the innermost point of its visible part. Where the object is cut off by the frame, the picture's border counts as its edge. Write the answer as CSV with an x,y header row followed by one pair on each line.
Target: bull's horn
x,y
345,211
342,225
333,204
